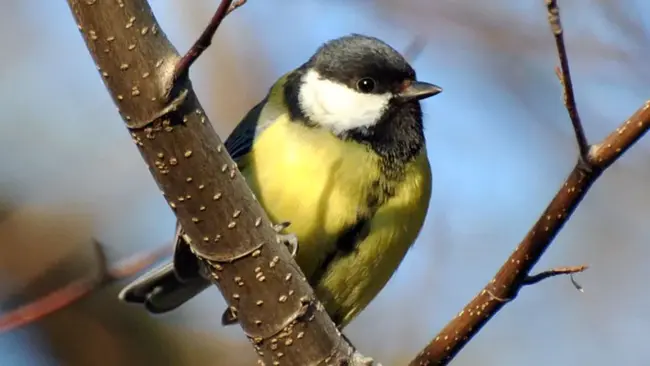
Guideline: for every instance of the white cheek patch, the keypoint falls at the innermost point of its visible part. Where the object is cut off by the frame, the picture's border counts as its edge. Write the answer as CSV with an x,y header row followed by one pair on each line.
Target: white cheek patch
x,y
337,106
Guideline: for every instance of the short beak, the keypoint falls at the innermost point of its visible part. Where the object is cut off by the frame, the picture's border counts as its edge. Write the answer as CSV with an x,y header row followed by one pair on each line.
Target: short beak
x,y
418,90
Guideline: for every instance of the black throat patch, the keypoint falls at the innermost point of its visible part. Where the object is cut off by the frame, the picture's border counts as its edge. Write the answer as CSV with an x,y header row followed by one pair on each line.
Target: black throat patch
x,y
398,138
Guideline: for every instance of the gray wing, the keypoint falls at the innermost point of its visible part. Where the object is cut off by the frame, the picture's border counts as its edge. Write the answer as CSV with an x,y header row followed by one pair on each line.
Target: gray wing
x,y
171,285
241,139
161,291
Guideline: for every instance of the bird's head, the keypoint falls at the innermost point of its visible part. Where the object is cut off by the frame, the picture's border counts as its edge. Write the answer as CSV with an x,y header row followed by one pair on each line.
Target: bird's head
x,y
352,82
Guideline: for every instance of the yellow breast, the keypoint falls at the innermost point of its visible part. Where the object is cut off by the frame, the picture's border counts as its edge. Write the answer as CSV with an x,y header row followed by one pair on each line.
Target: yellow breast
x,y
320,184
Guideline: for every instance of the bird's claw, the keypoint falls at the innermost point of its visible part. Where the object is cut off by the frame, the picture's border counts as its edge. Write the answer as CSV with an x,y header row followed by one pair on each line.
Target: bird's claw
x,y
358,358
364,360
290,240
281,226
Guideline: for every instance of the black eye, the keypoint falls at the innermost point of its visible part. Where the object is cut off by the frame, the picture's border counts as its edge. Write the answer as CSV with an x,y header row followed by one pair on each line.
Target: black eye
x,y
366,85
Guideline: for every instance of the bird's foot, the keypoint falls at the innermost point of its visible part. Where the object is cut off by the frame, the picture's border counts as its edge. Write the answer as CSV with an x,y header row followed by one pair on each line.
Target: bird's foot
x,y
290,240
358,358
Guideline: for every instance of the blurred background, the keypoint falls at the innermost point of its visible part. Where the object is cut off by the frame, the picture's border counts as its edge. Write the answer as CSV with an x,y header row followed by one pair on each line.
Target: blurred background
x,y
499,140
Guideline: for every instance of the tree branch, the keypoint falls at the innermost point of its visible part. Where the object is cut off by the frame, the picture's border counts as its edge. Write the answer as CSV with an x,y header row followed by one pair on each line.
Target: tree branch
x,y
205,39
78,289
226,226
564,75
414,48
513,274
533,279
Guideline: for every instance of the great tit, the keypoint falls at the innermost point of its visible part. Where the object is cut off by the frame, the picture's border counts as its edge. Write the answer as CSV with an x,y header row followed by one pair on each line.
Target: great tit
x,y
336,149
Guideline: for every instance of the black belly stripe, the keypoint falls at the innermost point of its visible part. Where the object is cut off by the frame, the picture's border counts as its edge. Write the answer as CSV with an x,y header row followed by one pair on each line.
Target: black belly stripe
x,y
349,240
345,244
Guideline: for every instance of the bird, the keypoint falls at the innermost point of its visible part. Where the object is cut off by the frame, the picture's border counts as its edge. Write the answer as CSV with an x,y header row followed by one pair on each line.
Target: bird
x,y
336,151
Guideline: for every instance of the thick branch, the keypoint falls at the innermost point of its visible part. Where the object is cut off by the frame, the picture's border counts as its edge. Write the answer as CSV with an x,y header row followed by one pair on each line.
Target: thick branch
x,y
514,273
226,226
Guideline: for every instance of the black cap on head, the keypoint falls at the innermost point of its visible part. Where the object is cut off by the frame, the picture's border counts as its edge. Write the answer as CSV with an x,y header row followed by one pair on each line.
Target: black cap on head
x,y
351,58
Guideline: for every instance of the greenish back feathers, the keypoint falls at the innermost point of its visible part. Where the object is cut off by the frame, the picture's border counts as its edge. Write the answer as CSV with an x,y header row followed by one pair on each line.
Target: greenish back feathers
x,y
257,119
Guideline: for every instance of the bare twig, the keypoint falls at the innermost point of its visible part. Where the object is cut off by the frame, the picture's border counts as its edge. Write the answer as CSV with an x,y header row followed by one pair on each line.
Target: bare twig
x,y
205,39
415,48
513,274
78,289
235,5
576,284
553,13
533,279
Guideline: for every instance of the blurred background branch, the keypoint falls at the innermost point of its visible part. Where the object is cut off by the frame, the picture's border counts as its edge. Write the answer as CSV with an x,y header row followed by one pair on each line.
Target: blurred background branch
x,y
83,286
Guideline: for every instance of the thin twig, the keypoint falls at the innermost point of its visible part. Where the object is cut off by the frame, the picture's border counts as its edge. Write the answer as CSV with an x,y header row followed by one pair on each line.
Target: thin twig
x,y
205,39
138,262
531,280
415,48
576,284
513,274
553,13
78,289
235,5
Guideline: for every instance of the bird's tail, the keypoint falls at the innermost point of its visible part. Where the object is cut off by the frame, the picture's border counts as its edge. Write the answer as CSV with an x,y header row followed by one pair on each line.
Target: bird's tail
x,y
161,290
